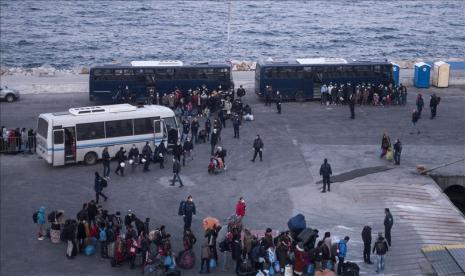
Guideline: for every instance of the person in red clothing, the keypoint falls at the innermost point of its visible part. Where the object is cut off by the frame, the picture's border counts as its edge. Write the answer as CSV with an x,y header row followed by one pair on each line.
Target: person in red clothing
x,y
240,207
299,262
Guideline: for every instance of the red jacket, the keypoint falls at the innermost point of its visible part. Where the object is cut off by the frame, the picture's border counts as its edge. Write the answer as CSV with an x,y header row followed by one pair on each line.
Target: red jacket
x,y
240,209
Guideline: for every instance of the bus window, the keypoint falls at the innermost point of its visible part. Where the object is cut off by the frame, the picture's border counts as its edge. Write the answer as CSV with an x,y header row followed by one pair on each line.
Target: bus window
x,y
157,126
42,128
90,131
118,128
118,72
170,122
143,126
58,137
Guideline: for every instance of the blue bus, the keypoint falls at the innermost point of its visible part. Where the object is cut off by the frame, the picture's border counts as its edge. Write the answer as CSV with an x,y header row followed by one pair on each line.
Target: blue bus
x,y
301,79
140,79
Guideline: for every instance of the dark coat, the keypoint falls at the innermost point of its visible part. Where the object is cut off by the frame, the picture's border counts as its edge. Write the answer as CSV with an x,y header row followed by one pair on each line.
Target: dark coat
x,y
120,156
325,170
98,184
366,234
106,158
189,208
388,221
214,138
176,167
258,143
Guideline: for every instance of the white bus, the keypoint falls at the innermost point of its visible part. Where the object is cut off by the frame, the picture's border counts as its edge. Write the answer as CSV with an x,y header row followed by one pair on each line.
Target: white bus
x,y
81,134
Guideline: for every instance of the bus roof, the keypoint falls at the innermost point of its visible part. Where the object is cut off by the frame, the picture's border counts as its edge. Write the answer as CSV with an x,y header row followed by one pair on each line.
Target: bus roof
x,y
164,64
317,61
107,113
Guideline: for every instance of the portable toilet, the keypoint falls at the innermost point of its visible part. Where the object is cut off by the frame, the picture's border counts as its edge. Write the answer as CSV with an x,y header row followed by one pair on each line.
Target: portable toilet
x,y
441,73
421,76
395,73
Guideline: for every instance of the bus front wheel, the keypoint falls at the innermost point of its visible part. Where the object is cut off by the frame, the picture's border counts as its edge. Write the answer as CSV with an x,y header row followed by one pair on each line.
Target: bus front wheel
x,y
299,96
90,158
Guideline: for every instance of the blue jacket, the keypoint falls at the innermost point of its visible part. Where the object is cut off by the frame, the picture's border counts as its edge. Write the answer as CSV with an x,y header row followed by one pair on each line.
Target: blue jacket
x,y
342,249
41,216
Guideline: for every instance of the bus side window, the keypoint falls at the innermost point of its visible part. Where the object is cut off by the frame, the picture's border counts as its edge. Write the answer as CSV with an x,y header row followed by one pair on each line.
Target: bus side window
x,y
58,138
157,126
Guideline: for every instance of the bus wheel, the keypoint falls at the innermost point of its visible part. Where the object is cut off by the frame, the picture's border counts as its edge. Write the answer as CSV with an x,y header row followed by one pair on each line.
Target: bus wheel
x,y
299,96
90,158
10,98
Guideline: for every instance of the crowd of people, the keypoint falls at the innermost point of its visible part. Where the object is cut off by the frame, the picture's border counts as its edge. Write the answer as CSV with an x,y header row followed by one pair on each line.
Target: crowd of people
x,y
129,239
17,140
363,94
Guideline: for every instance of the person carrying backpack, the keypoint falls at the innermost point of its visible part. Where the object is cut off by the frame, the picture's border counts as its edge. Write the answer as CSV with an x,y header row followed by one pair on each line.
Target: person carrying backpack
x,y
342,248
102,238
39,219
381,247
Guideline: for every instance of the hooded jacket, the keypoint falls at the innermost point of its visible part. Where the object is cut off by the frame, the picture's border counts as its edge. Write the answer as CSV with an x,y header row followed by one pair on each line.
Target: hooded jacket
x,y
41,216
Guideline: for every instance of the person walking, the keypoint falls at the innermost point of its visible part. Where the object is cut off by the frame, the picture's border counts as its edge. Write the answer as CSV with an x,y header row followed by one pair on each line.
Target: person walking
x,y
385,145
99,184
195,130
366,237
415,119
213,140
39,218
258,148
187,152
188,211
397,151
326,172
420,103
342,254
120,158
106,163
352,106
176,171
388,223
146,155
380,248
133,157
268,92
236,125
433,105
177,151
240,207
279,99
240,92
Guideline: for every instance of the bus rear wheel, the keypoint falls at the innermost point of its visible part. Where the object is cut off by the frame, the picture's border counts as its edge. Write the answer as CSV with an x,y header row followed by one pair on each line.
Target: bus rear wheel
x,y
90,158
299,96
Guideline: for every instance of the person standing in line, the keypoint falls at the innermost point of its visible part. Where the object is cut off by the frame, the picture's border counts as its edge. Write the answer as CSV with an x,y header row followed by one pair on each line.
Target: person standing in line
x,y
213,141
415,119
352,105
208,128
99,184
146,155
240,207
188,212
433,104
326,172
366,237
380,248
397,151
120,158
176,171
420,103
236,125
258,148
388,223
133,157
106,163
279,99
342,254
195,130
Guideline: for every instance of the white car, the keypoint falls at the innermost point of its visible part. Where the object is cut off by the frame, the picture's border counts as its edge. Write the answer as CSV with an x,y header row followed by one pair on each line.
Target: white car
x,y
10,95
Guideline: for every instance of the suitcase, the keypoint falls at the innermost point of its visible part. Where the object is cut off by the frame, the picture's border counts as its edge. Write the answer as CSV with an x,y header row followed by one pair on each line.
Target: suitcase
x,y
89,250
139,261
111,250
288,270
350,269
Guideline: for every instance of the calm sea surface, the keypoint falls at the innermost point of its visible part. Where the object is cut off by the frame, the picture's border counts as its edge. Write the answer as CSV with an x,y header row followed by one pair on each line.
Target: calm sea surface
x,y
69,34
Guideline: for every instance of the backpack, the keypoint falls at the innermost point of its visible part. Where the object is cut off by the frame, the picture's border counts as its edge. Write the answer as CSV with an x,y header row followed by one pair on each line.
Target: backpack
x,y
35,217
102,235
380,247
52,217
182,208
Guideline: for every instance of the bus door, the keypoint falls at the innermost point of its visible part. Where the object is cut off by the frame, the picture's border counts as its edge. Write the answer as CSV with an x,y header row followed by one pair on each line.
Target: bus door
x,y
158,130
58,147
317,83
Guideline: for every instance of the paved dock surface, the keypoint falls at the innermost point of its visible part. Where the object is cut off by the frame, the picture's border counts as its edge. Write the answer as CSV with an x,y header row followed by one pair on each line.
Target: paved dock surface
x,y
285,183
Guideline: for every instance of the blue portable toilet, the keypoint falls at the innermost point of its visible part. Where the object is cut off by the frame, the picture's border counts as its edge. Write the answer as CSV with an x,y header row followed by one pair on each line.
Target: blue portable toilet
x,y
421,75
395,73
